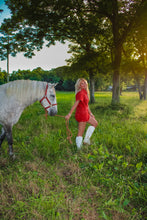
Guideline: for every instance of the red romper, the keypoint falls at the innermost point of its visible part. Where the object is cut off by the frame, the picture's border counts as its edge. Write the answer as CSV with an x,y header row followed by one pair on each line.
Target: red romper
x,y
82,114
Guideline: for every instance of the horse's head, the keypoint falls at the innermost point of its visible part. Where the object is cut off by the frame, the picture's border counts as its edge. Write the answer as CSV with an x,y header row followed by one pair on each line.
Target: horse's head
x,y
51,94
49,99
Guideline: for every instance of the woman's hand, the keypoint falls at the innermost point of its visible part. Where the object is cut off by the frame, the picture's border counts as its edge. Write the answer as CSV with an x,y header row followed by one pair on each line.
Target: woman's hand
x,y
91,115
72,109
67,117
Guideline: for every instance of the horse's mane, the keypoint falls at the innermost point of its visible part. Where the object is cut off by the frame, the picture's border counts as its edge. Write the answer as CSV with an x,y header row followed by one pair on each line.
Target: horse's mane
x,y
23,89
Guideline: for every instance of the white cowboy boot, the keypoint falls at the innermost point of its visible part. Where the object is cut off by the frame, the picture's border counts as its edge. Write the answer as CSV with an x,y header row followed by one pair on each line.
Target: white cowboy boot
x,y
88,134
79,141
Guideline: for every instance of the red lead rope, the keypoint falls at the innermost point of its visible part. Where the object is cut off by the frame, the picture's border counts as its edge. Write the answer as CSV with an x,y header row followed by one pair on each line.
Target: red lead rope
x,y
68,132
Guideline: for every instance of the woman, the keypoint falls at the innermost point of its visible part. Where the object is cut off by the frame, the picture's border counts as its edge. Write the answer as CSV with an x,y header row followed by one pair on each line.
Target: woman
x,y
83,113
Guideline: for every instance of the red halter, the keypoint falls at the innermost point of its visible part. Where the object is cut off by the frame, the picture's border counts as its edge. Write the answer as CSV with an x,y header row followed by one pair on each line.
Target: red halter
x,y
69,134
47,100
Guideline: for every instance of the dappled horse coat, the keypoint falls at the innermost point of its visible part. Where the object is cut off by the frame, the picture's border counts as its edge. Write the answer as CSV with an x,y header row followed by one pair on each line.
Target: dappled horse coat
x,y
15,96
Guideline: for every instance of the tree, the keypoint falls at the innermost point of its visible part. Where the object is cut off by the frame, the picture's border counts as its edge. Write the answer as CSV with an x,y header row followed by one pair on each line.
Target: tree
x,y
135,54
8,45
131,63
123,16
89,64
132,69
64,21
140,41
80,21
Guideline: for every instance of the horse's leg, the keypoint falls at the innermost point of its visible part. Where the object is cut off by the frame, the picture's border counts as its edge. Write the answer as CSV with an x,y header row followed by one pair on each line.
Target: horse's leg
x,y
9,139
2,136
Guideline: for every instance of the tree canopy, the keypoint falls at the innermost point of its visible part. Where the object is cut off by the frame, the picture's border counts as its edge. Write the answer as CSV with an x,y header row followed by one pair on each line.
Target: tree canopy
x,y
85,22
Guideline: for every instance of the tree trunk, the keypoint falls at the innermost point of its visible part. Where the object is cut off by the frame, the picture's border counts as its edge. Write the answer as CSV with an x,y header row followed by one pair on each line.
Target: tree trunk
x,y
116,76
7,67
137,79
8,51
145,86
92,89
116,60
116,88
139,89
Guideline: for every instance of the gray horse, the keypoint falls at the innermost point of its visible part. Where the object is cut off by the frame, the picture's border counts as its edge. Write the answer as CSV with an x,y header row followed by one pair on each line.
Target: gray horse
x,y
15,96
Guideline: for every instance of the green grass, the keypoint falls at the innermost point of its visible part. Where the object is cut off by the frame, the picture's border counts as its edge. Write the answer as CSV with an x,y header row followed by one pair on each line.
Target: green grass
x,y
50,179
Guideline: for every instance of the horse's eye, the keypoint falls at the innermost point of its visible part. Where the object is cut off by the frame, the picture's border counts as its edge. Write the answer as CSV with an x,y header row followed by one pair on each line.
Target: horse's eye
x,y
53,96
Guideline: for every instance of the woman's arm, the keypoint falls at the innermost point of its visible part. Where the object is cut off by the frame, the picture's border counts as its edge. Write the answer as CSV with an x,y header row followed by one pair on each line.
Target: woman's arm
x,y
72,109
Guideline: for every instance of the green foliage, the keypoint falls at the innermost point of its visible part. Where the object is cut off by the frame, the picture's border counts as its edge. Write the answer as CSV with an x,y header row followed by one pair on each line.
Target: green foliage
x,y
50,179
3,77
92,26
8,44
52,76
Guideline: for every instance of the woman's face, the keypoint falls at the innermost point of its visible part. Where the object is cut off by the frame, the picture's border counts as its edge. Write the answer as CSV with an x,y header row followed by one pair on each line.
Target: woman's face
x,y
83,84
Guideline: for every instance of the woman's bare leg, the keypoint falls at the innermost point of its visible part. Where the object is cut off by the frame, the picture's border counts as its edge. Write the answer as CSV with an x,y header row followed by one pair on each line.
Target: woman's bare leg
x,y
92,121
81,128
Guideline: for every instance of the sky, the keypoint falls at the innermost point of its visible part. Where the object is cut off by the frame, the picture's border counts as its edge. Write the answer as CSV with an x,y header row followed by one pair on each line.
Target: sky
x,y
47,58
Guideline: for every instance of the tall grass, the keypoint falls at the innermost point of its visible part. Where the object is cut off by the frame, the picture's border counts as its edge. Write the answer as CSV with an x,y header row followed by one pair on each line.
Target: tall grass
x,y
50,179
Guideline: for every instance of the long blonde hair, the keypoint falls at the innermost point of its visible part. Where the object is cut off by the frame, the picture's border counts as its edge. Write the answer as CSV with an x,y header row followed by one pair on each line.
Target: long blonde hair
x,y
77,86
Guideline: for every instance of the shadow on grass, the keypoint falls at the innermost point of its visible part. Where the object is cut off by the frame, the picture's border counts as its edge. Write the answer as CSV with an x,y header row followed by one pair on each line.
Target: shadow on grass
x,y
118,109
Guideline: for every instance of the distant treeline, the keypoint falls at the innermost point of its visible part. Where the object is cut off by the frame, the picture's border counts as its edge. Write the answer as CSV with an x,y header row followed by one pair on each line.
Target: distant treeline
x,y
52,76
62,75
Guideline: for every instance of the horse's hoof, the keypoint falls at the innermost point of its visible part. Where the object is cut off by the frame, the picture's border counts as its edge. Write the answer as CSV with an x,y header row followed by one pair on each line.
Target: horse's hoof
x,y
12,156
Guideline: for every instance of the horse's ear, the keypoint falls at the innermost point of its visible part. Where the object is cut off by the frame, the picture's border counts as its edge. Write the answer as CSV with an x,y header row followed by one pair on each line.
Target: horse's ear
x,y
54,84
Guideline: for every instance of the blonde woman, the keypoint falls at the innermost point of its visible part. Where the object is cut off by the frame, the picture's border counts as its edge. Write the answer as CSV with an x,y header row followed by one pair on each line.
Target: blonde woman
x,y
83,113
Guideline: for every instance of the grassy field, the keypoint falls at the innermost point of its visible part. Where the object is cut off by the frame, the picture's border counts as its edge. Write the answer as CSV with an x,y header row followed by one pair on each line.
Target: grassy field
x,y
50,179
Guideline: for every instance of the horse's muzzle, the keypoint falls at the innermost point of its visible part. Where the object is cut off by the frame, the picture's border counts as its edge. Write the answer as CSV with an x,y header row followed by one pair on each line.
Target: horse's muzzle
x,y
52,112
